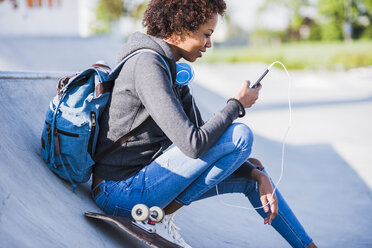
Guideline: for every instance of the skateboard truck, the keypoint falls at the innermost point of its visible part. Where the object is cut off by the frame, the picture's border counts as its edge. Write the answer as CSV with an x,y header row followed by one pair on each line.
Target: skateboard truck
x,y
142,214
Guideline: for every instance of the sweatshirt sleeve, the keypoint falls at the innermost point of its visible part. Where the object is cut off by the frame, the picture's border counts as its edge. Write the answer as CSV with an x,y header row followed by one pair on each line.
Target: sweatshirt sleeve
x,y
156,93
191,111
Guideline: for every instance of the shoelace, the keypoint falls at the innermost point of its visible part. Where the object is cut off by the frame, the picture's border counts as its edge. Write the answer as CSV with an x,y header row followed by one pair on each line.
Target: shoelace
x,y
173,229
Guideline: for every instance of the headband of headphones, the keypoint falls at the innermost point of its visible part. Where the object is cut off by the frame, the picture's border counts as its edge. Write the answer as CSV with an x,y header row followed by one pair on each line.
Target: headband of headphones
x,y
185,74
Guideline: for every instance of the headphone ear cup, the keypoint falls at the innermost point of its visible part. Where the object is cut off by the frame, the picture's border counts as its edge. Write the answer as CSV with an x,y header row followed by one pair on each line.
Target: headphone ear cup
x,y
185,74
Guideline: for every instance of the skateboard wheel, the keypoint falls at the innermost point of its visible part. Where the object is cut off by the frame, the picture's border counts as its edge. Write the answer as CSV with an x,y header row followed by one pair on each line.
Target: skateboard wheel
x,y
156,214
140,212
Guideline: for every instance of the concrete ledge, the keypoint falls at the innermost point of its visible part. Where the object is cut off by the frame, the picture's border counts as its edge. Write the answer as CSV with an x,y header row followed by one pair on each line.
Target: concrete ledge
x,y
32,75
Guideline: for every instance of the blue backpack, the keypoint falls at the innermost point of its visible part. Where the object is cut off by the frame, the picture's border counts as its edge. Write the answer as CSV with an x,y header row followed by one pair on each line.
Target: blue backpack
x,y
71,126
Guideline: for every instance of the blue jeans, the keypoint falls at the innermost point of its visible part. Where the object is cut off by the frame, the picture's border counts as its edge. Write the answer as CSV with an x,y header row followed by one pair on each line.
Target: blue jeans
x,y
174,176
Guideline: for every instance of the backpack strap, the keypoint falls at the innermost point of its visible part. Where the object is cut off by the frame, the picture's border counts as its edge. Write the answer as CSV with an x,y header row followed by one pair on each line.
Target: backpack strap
x,y
121,141
115,72
107,85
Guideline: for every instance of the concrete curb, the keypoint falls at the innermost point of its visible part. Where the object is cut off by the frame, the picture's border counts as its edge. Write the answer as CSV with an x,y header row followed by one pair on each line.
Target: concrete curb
x,y
33,75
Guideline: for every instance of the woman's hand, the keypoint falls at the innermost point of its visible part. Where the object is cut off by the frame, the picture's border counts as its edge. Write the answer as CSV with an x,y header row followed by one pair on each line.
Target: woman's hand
x,y
247,96
265,189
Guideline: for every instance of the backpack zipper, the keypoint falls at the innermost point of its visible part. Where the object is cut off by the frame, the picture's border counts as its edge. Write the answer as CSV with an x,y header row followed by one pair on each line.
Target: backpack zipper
x,y
64,132
92,133
67,133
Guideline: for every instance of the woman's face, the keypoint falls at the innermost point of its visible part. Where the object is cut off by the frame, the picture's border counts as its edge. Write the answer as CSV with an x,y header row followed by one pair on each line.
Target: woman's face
x,y
194,43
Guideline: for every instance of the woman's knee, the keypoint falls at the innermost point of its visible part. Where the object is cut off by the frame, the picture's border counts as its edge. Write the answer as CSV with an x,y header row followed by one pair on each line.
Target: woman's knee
x,y
242,136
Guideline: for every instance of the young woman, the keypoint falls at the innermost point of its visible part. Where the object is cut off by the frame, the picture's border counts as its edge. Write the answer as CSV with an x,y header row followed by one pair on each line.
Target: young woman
x,y
204,155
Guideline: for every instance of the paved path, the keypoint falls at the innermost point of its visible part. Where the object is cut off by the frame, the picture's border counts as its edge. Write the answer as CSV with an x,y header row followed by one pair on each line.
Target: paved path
x,y
328,107
327,173
327,178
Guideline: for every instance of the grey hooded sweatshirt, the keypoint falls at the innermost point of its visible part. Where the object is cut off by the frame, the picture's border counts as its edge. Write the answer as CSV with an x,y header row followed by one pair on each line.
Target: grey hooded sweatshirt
x,y
144,88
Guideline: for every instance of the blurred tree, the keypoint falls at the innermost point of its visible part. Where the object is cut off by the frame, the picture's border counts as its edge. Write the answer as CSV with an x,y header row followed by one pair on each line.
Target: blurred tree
x,y
363,19
345,19
335,20
300,22
110,11
332,19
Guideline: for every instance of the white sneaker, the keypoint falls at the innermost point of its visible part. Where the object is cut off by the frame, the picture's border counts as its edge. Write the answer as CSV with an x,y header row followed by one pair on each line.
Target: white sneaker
x,y
168,230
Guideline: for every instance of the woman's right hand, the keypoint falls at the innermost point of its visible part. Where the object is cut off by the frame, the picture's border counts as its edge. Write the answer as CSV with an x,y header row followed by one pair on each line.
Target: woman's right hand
x,y
246,95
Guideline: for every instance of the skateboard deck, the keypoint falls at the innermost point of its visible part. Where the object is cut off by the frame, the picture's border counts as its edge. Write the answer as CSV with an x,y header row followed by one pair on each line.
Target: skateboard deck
x,y
126,224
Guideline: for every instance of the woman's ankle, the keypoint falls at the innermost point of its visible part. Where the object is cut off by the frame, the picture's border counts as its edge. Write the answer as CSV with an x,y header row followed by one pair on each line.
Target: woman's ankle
x,y
172,207
312,245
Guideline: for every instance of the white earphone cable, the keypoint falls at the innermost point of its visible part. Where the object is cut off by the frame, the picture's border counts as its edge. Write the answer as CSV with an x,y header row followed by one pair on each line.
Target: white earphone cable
x,y
283,145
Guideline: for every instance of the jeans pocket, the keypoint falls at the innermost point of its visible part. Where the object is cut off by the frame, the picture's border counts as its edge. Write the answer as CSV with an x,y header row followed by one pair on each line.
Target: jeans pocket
x,y
98,195
113,195
106,189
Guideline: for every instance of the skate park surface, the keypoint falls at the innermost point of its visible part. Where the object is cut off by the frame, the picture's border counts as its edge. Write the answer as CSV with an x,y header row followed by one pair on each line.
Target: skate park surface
x,y
327,177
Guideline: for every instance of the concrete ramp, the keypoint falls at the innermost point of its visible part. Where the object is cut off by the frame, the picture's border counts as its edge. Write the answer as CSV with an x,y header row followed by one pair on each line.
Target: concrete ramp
x,y
36,208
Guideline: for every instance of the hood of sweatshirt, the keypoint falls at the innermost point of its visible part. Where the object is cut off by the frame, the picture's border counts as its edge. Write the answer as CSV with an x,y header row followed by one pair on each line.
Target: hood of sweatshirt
x,y
143,41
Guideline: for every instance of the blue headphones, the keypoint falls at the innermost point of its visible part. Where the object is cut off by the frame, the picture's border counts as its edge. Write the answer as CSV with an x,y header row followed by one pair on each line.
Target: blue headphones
x,y
185,74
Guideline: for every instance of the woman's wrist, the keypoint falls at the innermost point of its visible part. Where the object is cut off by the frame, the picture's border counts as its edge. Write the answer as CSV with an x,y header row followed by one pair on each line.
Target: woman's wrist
x,y
241,107
257,175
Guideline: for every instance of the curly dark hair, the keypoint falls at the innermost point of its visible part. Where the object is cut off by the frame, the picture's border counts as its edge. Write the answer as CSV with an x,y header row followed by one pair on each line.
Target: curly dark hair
x,y
166,17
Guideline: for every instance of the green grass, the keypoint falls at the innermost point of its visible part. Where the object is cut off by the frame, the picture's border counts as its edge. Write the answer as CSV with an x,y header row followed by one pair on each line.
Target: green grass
x,y
302,55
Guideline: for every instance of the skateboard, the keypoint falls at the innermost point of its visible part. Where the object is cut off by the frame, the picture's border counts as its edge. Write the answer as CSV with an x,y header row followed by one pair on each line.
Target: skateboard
x,y
140,213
